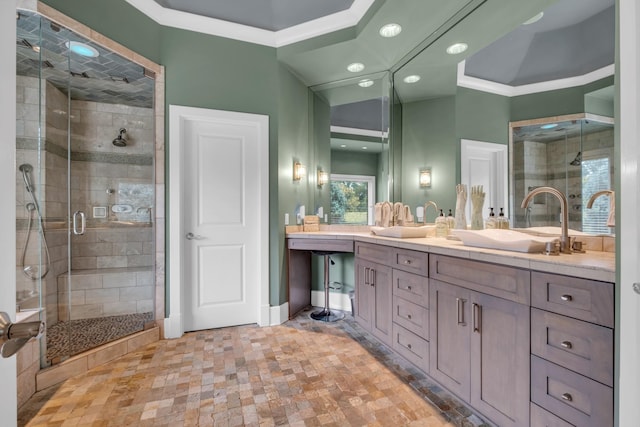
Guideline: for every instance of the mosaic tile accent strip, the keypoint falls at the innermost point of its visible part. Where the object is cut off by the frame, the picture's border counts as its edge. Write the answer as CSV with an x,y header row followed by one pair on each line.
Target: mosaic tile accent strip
x,y
302,373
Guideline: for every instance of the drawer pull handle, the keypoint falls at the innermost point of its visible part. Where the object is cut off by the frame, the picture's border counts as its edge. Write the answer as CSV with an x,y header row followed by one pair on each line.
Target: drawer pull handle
x,y
409,346
477,317
566,344
566,298
567,397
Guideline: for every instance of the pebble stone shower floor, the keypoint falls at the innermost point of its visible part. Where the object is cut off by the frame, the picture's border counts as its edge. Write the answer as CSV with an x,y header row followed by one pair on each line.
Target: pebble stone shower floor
x,y
301,373
76,336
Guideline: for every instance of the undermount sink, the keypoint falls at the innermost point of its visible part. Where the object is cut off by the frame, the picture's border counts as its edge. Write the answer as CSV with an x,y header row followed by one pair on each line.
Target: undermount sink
x,y
405,231
508,240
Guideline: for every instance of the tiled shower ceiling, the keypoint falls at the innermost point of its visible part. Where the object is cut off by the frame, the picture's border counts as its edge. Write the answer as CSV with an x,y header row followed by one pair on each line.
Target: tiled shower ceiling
x,y
107,78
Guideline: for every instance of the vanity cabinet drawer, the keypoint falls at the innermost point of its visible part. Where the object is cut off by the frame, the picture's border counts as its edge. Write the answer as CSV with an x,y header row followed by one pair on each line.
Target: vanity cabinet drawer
x,y
411,347
377,253
583,299
411,261
575,398
411,316
509,283
320,245
584,347
411,287
542,418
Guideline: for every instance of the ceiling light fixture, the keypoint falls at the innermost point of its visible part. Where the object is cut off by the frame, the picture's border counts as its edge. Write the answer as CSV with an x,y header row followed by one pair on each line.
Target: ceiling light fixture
x,y
412,78
457,48
390,30
534,19
82,49
343,145
356,67
364,148
365,83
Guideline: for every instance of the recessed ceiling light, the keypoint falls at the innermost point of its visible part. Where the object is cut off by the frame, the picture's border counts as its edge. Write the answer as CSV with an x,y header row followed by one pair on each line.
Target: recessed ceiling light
x,y
412,78
356,67
534,19
549,126
457,48
390,30
365,83
82,49
364,148
343,146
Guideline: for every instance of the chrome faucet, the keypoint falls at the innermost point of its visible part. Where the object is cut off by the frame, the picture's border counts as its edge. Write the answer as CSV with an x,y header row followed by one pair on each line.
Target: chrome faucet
x,y
597,194
565,242
426,205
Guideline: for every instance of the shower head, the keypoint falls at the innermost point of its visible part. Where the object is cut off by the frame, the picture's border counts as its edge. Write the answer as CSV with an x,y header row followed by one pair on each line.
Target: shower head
x,y
25,168
578,160
120,141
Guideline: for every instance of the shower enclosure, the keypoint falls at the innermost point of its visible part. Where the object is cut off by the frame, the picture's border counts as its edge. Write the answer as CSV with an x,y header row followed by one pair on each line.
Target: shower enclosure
x,y
85,189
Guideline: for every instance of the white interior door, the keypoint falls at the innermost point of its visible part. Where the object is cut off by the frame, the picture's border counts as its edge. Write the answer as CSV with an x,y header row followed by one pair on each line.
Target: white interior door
x,y
223,200
485,163
628,230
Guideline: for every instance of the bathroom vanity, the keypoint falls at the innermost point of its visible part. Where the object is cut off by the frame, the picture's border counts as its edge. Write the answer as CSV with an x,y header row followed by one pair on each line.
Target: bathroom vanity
x,y
524,339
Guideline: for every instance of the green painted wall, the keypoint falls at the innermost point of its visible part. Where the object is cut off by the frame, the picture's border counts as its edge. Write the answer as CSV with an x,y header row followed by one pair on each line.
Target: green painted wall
x,y
355,163
481,116
429,140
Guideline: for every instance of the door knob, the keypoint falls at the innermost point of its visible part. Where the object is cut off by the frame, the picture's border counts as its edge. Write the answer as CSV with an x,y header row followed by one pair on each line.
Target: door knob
x,y
636,288
191,236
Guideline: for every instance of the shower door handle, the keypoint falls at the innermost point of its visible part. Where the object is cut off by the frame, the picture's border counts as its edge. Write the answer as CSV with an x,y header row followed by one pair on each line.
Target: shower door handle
x,y
83,223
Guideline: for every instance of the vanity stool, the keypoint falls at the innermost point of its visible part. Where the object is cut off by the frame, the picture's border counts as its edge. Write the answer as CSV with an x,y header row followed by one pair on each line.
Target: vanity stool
x,y
325,315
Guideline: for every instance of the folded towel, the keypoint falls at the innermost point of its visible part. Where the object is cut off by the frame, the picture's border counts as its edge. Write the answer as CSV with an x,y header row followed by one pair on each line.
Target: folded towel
x,y
611,221
377,214
408,217
387,215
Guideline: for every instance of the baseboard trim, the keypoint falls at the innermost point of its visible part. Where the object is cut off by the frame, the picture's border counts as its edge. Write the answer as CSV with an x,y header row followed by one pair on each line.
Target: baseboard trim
x,y
279,314
173,326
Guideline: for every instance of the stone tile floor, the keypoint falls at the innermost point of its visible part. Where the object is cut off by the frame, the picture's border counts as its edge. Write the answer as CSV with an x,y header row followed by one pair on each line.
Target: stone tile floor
x,y
301,373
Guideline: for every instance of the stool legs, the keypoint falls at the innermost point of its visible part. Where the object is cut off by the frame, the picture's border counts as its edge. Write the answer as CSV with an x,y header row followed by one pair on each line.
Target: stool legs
x,y
325,314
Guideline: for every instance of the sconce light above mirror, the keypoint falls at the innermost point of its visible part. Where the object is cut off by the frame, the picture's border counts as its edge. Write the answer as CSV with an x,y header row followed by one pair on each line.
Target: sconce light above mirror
x,y
299,171
425,178
323,178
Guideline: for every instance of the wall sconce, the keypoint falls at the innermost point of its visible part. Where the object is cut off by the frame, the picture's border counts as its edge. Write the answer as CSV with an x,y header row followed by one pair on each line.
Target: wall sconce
x,y
299,170
425,178
323,178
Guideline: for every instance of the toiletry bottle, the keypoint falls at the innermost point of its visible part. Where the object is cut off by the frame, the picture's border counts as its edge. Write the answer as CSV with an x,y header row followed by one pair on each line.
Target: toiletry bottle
x,y
451,221
503,221
442,229
491,221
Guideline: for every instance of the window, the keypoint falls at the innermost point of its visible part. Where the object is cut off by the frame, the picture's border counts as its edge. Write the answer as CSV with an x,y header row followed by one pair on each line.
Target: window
x,y
352,199
596,176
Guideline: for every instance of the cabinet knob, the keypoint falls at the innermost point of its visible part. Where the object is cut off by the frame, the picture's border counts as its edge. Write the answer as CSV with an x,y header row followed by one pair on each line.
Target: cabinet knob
x,y
407,261
567,397
566,344
566,297
409,288
409,346
409,316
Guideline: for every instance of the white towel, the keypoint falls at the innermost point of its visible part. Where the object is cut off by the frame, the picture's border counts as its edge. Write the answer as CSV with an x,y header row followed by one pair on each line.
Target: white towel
x,y
398,213
387,215
377,215
611,221
408,217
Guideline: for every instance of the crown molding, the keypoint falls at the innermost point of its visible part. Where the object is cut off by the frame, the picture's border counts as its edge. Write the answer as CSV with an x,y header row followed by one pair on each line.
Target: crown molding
x,y
217,27
510,91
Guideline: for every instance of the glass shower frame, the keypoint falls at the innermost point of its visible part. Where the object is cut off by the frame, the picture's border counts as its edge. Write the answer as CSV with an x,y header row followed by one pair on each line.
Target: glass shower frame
x,y
57,184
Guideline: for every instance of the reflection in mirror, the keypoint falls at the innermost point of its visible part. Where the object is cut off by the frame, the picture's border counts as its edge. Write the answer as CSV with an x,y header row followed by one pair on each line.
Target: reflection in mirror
x,y
351,133
573,154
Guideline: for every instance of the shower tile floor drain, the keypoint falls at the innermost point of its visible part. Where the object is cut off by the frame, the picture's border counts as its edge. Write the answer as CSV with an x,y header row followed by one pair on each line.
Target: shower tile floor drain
x,y
75,336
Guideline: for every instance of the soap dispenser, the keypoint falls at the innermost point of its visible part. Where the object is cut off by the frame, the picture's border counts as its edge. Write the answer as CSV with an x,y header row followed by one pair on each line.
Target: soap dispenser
x,y
503,221
442,229
491,221
451,221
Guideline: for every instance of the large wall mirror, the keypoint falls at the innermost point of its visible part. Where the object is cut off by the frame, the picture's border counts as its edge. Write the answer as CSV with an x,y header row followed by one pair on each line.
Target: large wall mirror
x,y
524,61
351,136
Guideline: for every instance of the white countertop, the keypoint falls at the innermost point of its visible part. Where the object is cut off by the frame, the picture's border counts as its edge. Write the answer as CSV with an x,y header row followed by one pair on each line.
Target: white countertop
x,y
590,265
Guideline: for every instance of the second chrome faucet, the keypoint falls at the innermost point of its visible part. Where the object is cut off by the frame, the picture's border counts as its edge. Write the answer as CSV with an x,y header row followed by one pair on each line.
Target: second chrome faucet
x,y
565,241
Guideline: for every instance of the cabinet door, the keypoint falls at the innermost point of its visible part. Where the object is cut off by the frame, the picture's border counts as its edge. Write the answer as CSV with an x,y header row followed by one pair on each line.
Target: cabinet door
x,y
381,316
500,359
450,334
364,293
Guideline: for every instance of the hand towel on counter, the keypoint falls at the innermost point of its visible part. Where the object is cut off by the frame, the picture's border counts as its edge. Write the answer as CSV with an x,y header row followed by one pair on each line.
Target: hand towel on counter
x,y
611,221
